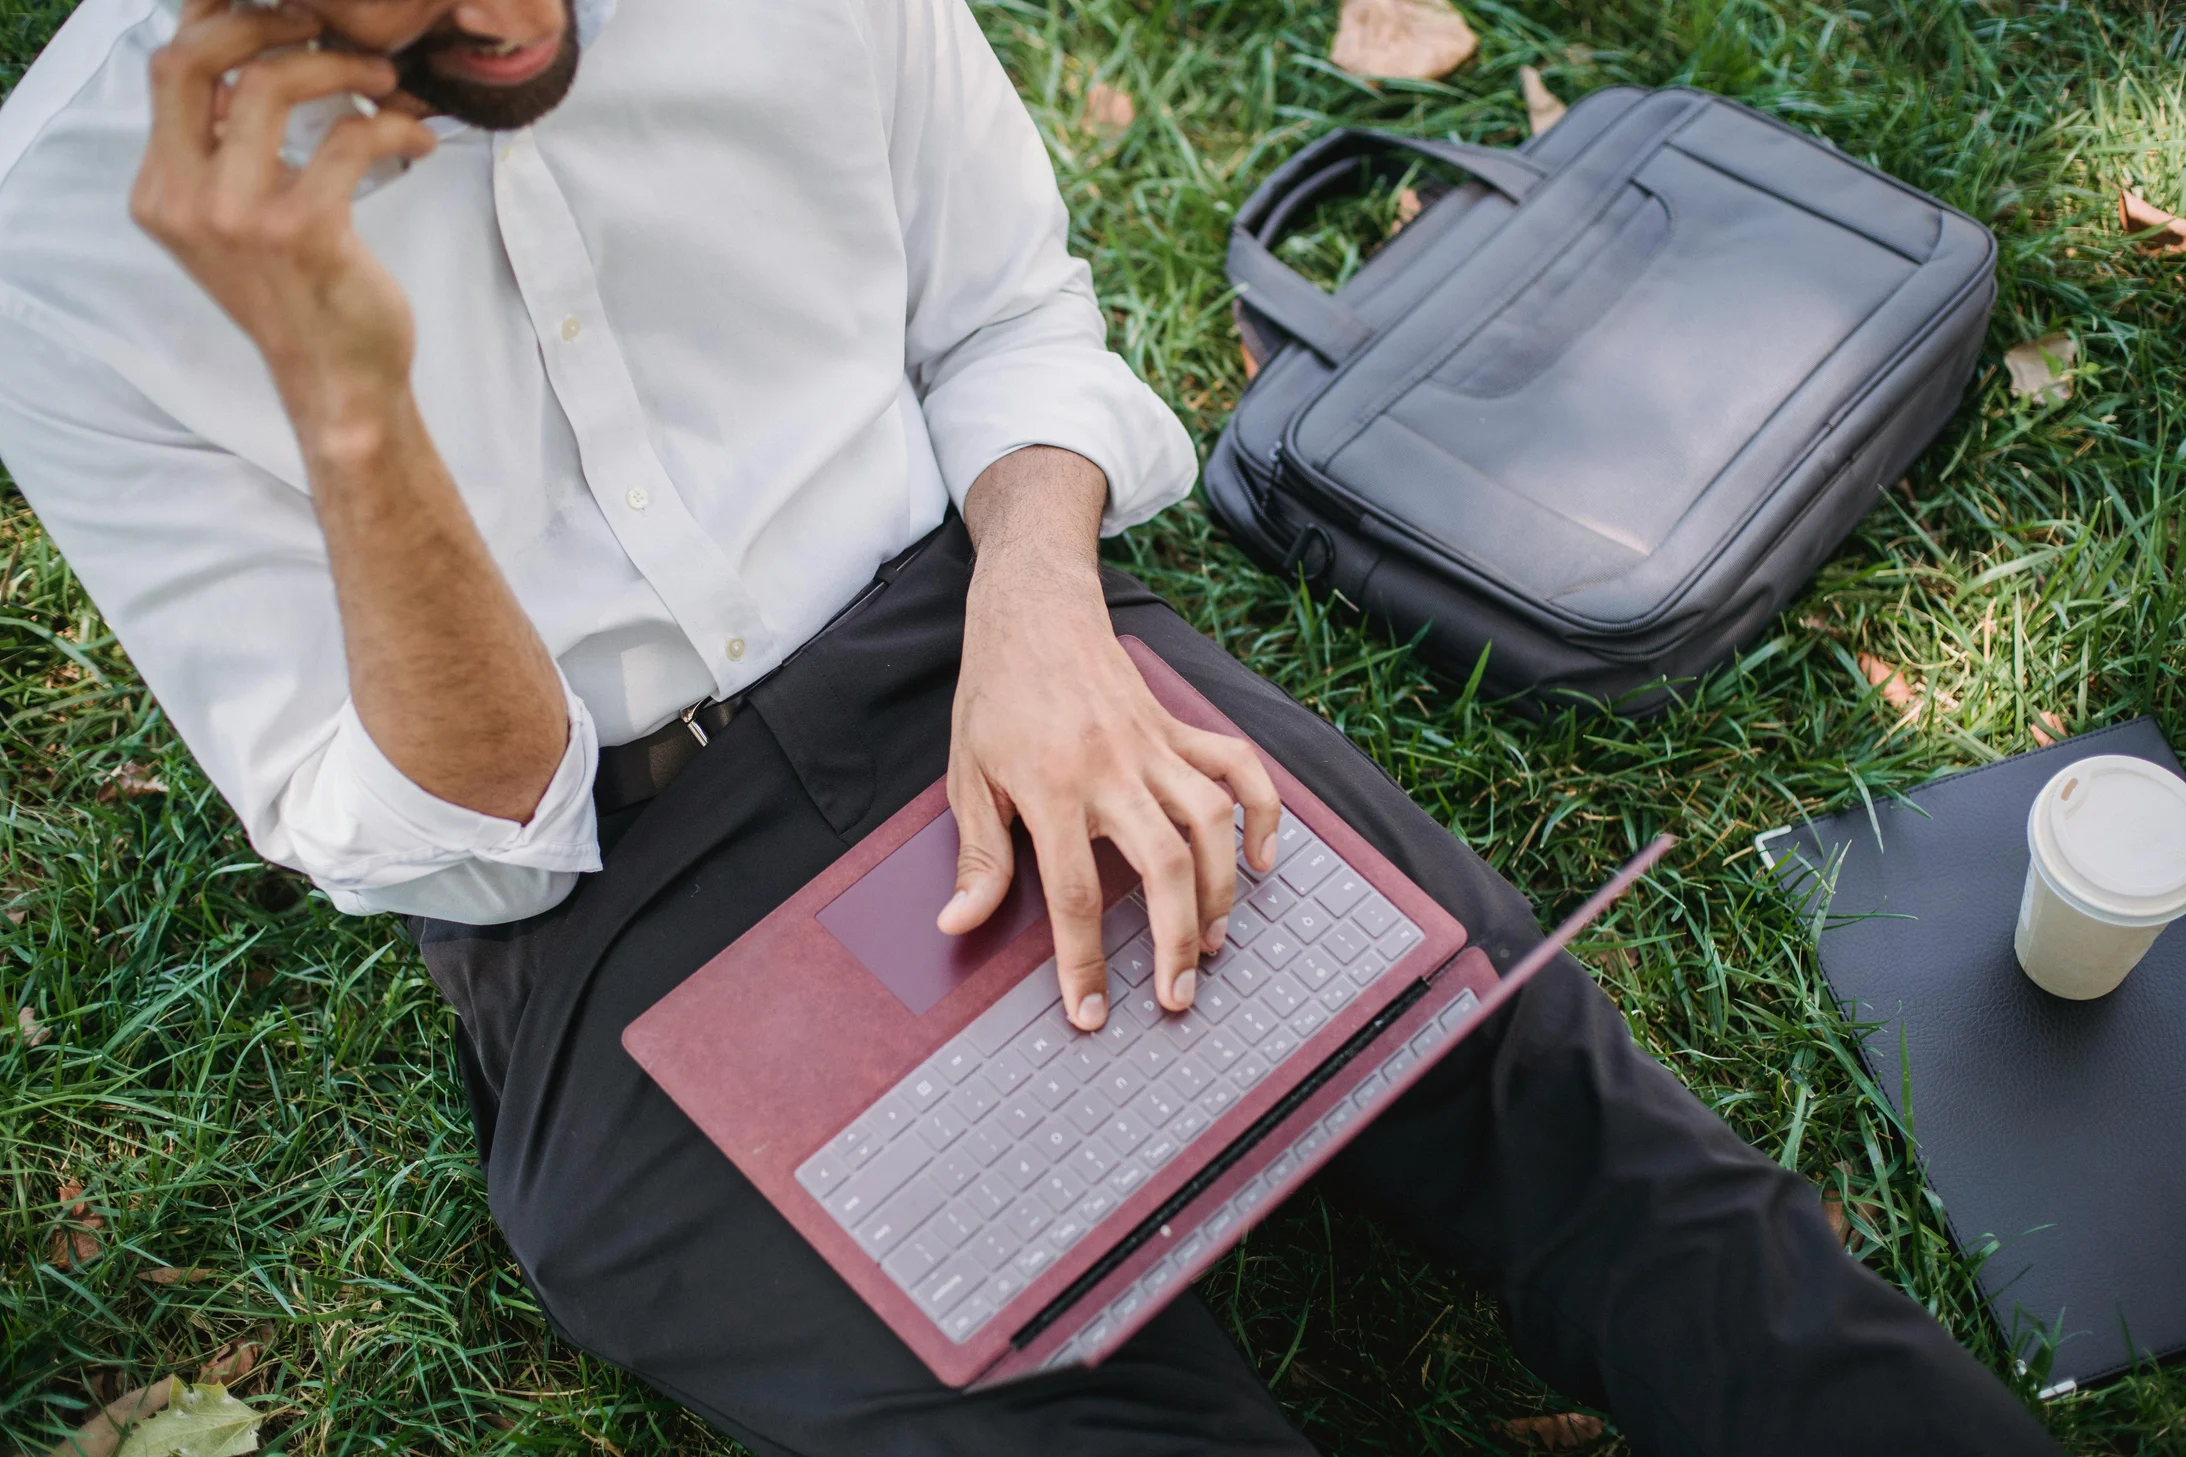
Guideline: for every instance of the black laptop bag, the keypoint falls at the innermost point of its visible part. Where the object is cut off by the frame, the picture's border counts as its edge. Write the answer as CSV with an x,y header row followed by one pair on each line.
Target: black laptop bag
x,y
1602,409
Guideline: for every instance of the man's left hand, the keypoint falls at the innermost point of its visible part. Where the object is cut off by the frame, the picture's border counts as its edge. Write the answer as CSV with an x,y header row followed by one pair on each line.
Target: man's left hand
x,y
1054,725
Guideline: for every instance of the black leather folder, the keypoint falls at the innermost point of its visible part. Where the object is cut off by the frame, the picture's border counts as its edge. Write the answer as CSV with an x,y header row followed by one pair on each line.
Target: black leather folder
x,y
2055,1129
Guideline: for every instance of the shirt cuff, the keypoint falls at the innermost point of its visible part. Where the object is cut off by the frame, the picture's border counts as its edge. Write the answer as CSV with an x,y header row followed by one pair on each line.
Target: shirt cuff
x,y
1075,399
358,825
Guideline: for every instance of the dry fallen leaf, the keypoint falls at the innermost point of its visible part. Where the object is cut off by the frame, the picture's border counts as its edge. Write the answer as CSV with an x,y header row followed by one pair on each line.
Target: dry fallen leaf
x,y
1833,1209
27,1026
2047,728
171,1275
2137,215
232,1362
131,780
1408,207
1895,690
1563,1432
1412,40
2041,369
77,1236
1109,112
104,1432
1543,110
200,1421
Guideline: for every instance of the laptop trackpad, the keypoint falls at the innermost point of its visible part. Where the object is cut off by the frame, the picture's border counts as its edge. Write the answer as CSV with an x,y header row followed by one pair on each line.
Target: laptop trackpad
x,y
886,919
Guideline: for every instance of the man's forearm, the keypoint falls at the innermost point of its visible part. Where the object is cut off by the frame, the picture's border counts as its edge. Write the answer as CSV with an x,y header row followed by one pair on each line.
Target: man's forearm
x,y
447,673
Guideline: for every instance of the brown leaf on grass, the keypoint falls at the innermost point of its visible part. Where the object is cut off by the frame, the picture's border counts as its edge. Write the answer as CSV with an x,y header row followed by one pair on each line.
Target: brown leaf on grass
x,y
1109,111
27,1026
2047,728
1408,207
2136,214
231,1363
1833,1210
172,1275
1543,110
131,780
1895,690
77,1240
1562,1432
2041,369
104,1432
1412,40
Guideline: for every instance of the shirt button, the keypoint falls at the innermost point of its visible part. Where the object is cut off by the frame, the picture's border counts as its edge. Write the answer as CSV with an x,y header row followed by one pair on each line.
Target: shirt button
x,y
571,326
735,648
638,499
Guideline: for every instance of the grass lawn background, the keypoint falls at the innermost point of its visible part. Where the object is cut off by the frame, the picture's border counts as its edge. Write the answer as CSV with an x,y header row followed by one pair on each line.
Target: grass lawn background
x,y
248,1083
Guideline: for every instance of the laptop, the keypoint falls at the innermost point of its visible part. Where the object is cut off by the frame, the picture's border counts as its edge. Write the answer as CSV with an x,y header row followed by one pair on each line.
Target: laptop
x,y
1010,1194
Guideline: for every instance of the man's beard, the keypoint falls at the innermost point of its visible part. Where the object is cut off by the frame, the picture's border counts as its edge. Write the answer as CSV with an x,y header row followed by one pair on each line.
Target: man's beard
x,y
494,108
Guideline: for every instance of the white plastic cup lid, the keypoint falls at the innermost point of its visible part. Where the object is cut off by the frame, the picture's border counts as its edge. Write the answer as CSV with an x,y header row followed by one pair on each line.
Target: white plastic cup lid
x,y
2110,833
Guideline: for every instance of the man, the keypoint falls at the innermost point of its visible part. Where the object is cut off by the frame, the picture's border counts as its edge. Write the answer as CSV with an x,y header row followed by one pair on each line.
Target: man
x,y
581,434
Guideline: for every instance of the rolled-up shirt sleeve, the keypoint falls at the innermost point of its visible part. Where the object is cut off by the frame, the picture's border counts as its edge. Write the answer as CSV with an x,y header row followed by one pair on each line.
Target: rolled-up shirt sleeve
x,y
213,574
1004,339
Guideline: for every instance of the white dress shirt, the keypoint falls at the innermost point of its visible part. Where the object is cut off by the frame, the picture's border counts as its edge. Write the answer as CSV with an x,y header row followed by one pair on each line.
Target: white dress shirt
x,y
701,349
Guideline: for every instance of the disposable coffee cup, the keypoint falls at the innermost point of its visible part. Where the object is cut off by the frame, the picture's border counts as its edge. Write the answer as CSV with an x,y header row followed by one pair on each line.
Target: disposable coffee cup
x,y
2106,873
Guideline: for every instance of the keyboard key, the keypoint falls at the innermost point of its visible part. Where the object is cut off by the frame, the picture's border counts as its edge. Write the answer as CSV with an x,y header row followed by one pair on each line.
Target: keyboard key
x,y
1280,1044
1153,1056
1019,1117
822,1172
1308,868
1013,1011
955,1224
925,1088
1086,1112
1245,923
957,1061
1134,963
1249,1070
913,1258
1374,916
956,1168
1187,1125
1094,1207
1067,1231
1007,1071
995,1246
1121,1083
899,1216
1062,1188
1309,1020
950,1284
870,1186
1183,1031
1157,1106
1222,1049
1291,836
942,1127
1125,919
988,1196
1316,966
1344,943
1219,1098
1005,1286
1126,1177
973,1097
1022,1166
1216,1001
1306,921
1341,891
1367,967
1042,1041
1159,1149
964,1322
1125,1131
1052,1088
987,1143
1277,948
1246,974
859,1142
1401,938
1027,1217
1337,992
1188,1078
1091,1160
1143,1007
1252,1022
1032,1259
1272,899
1284,995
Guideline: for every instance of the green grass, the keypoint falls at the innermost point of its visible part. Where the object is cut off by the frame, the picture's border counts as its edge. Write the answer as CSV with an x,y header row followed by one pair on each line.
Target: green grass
x,y
252,1084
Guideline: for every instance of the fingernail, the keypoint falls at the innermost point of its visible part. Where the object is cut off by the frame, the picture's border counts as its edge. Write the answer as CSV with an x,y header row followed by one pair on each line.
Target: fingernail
x,y
1216,930
1092,1012
1185,987
1267,848
956,900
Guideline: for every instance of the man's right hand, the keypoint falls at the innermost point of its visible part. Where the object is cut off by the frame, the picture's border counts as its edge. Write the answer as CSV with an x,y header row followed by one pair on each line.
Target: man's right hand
x,y
273,244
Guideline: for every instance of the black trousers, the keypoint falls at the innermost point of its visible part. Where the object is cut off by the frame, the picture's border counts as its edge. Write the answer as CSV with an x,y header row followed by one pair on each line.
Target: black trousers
x,y
1649,1262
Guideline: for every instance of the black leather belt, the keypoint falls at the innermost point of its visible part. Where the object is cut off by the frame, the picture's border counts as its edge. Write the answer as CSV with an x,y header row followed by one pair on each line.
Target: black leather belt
x,y
634,772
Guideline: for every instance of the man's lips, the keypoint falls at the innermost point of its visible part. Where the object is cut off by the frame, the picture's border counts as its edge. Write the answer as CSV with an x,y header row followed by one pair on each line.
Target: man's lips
x,y
511,68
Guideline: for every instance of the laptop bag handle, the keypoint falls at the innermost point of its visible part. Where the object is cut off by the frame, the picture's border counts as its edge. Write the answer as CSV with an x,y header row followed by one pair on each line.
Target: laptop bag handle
x,y
1272,289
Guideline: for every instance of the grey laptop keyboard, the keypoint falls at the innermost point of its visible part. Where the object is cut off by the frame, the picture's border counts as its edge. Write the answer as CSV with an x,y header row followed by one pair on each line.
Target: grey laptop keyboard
x,y
1022,1134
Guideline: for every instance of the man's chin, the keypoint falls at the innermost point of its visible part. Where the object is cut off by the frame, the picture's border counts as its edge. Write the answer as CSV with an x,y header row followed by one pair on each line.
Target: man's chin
x,y
492,107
